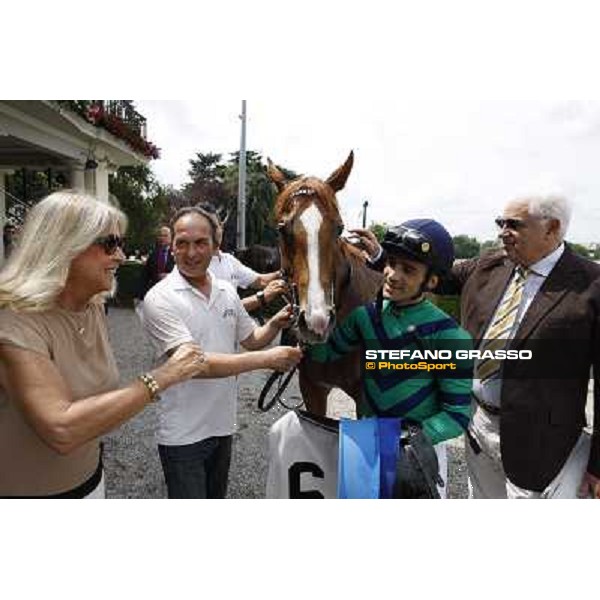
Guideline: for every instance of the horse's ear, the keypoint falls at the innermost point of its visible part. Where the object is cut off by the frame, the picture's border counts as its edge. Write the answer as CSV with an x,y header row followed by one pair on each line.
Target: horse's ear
x,y
276,176
337,180
224,219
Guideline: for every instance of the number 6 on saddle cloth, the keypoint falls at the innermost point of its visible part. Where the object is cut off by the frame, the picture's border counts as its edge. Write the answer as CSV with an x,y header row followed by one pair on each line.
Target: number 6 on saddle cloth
x,y
316,457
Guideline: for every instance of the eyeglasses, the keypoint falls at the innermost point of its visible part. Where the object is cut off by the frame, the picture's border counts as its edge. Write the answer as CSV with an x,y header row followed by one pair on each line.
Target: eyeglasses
x,y
110,243
512,224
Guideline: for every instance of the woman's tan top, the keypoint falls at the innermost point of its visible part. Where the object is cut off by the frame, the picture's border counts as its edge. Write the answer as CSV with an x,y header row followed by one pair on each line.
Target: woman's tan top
x,y
77,343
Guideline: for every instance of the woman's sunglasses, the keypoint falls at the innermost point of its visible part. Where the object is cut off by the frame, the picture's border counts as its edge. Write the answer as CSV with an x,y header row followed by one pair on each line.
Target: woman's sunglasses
x,y
110,243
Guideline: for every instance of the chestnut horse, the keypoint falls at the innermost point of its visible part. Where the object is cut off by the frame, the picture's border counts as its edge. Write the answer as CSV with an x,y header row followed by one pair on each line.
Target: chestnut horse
x,y
328,274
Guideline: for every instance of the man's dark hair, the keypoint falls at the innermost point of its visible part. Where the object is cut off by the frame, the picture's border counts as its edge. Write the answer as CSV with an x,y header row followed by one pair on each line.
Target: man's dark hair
x,y
209,207
210,217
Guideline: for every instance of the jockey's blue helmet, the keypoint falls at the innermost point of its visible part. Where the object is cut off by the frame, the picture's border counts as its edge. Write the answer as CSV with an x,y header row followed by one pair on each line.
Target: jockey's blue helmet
x,y
423,240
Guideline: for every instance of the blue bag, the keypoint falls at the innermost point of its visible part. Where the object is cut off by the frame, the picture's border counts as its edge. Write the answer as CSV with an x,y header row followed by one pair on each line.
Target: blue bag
x,y
368,453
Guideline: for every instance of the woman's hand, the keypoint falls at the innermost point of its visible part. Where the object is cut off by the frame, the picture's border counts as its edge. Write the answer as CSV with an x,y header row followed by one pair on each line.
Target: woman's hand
x,y
186,362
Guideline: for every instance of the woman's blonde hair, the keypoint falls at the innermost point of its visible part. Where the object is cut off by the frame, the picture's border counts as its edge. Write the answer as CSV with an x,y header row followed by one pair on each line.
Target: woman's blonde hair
x,y
56,230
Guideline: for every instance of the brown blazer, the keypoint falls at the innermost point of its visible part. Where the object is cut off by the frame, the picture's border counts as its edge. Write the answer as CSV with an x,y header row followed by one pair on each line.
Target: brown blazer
x,y
541,418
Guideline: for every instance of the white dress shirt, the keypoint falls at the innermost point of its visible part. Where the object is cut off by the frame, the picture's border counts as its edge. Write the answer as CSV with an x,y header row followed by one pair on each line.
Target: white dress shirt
x,y
489,392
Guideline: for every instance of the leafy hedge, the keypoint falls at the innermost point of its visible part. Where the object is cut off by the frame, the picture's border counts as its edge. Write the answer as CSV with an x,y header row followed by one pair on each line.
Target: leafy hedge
x,y
449,304
129,282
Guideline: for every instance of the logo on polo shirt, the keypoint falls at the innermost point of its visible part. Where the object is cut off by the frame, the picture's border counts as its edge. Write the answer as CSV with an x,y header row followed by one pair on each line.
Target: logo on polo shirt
x,y
228,312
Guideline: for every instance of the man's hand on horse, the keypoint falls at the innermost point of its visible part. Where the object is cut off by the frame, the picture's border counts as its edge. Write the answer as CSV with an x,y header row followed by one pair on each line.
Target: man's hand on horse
x,y
274,289
283,358
368,242
284,318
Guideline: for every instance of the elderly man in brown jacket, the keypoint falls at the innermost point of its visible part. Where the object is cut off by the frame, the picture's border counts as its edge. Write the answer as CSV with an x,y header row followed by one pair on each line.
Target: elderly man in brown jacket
x,y
526,435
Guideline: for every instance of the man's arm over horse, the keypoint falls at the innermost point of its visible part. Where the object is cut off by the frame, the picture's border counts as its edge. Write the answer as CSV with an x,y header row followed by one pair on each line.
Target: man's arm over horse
x,y
453,393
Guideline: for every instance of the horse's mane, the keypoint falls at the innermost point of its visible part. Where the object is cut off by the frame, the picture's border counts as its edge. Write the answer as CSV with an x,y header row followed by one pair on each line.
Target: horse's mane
x,y
364,281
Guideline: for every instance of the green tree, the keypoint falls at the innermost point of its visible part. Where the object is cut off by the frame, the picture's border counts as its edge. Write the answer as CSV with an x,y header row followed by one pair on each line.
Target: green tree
x,y
490,245
207,174
379,229
144,201
465,246
215,181
260,199
580,249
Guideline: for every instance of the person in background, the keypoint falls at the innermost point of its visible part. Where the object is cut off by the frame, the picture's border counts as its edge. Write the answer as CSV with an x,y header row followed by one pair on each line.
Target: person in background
x,y
227,267
160,261
8,238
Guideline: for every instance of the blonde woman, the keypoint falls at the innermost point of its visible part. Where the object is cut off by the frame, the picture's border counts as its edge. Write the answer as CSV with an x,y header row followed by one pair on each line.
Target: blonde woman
x,y
58,377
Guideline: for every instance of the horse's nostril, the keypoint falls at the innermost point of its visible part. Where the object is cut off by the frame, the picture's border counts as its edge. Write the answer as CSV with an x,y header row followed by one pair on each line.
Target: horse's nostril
x,y
332,319
302,319
318,322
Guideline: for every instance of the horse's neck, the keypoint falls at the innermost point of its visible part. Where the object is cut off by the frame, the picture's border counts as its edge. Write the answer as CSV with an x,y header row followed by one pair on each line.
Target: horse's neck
x,y
356,283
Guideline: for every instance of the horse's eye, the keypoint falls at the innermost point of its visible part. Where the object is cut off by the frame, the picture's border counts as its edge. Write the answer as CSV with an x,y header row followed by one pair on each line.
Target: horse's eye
x,y
340,228
285,230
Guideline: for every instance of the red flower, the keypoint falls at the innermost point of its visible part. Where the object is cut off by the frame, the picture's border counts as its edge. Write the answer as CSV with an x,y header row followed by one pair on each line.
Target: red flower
x,y
95,113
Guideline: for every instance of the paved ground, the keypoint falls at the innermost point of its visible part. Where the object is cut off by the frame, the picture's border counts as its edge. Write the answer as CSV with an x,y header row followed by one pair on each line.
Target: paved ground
x,y
132,464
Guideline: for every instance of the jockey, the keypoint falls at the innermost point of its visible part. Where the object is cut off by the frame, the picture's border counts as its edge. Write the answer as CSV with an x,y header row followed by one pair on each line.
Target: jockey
x,y
423,241
414,255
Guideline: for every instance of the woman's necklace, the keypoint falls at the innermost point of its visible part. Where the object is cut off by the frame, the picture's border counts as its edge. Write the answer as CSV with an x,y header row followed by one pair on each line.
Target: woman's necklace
x,y
81,321
78,320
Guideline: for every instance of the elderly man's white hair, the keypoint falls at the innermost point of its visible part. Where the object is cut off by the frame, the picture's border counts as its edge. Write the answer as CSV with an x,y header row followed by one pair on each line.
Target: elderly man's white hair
x,y
551,206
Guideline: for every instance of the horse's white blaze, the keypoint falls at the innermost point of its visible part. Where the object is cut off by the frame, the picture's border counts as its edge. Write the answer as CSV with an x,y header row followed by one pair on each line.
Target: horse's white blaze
x,y
317,317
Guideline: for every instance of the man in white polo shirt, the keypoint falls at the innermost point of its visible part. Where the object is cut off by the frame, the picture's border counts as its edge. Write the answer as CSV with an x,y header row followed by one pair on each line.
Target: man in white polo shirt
x,y
197,418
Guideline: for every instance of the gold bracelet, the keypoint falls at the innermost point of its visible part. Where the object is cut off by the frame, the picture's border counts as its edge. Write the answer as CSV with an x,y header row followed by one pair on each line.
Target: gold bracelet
x,y
151,385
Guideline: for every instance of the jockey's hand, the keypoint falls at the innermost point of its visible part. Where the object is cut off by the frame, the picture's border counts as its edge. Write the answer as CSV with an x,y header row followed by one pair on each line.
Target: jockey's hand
x,y
274,289
283,358
590,487
368,242
283,319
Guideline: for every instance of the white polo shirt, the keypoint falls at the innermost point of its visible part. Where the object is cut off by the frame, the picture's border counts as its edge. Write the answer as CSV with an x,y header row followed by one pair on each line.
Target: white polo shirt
x,y
175,312
227,267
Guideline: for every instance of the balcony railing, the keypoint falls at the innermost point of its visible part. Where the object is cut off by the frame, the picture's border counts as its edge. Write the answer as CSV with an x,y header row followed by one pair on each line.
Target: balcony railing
x,y
126,112
119,117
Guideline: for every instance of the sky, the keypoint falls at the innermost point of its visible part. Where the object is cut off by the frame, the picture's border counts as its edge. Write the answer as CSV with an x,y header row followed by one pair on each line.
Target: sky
x,y
454,161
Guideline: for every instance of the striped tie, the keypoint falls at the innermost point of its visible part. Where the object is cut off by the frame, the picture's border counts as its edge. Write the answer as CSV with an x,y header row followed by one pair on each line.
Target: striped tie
x,y
498,334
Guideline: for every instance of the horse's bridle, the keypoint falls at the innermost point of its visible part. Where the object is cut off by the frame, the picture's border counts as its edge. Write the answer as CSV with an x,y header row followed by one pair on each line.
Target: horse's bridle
x,y
287,275
292,298
279,381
